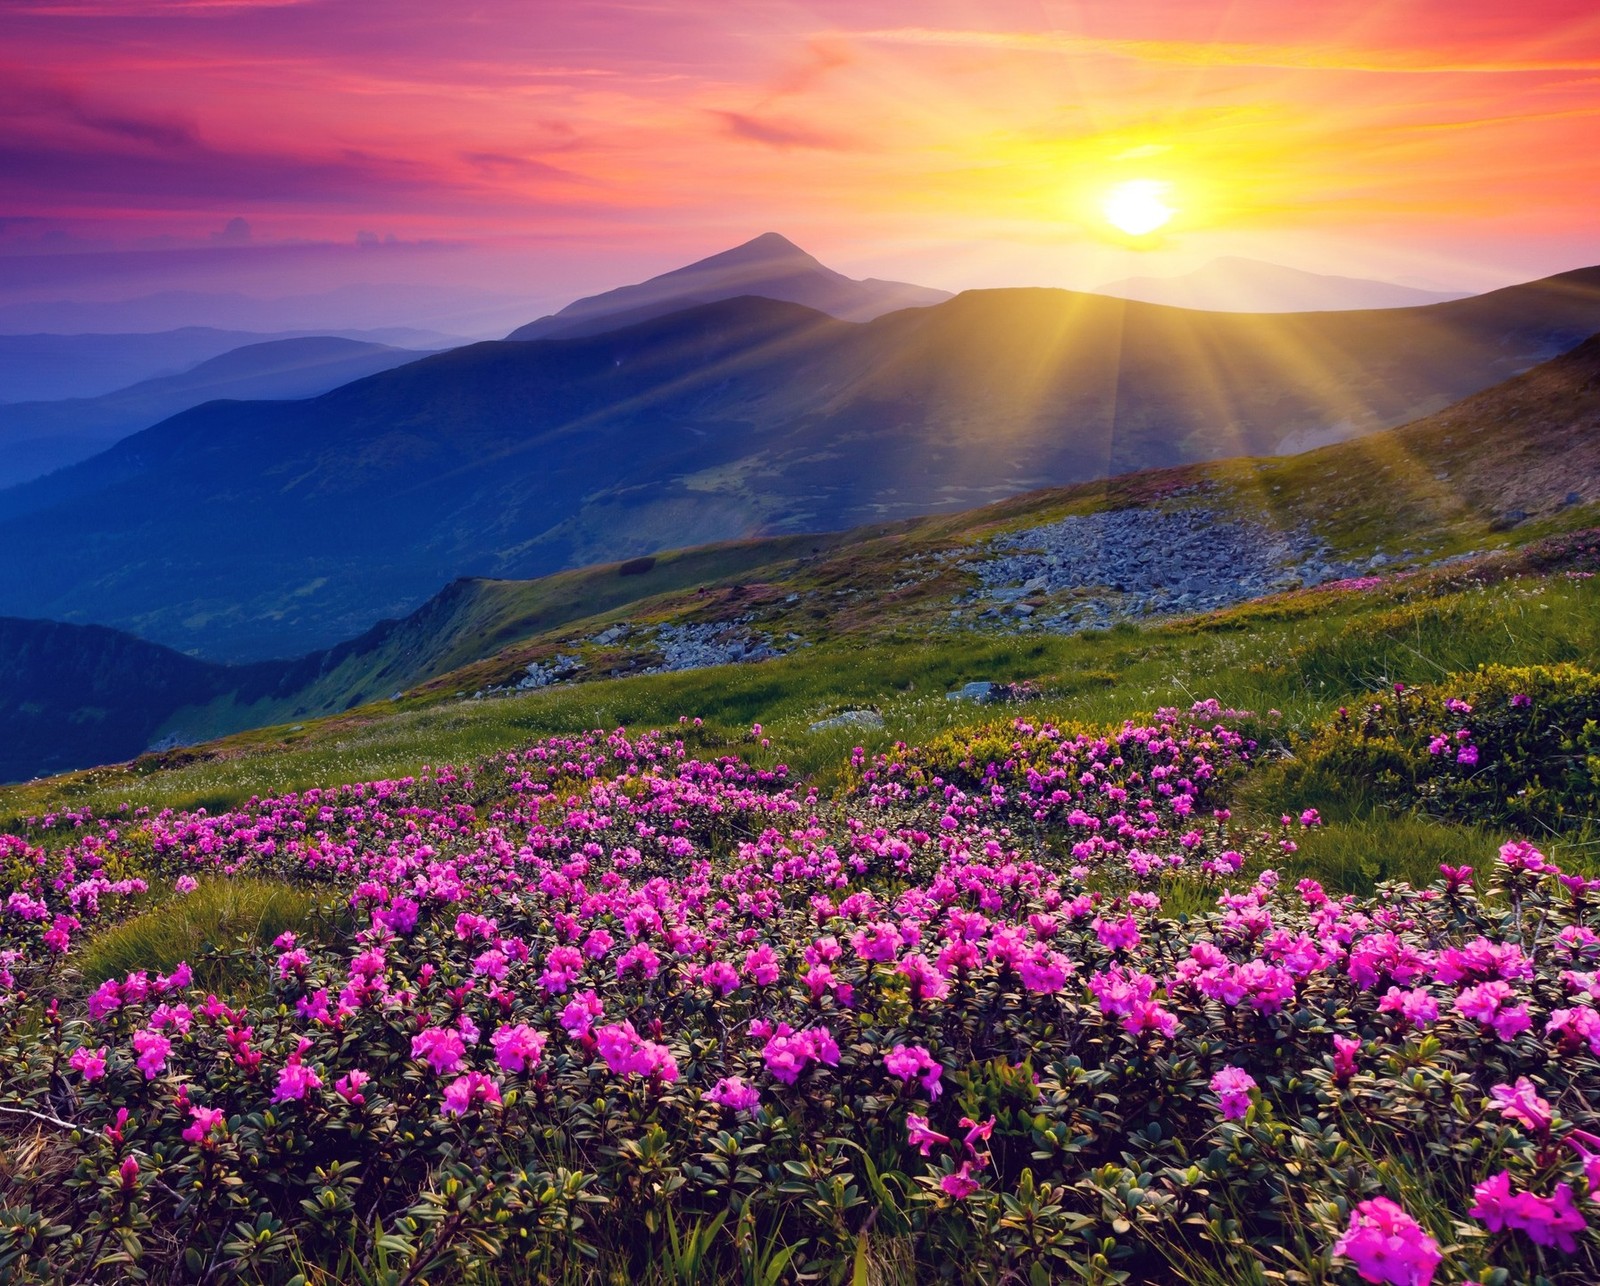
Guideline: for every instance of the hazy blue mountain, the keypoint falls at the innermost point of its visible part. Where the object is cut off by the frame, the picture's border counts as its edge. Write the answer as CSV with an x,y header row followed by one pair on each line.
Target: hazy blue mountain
x,y
444,315
770,266
49,367
246,530
37,437
1233,284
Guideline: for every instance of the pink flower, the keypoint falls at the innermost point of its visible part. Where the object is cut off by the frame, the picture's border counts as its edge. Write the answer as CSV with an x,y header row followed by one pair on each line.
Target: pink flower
x,y
348,1086
640,961
1520,855
720,977
907,1061
920,1135
629,1054
1521,1103
961,1184
1387,1245
880,941
1117,934
1548,1221
206,1120
1575,1028
1416,1007
150,1049
104,1000
89,1063
440,1047
732,1093
1232,1086
577,1018
1586,1145
761,966
468,1090
1489,1003
295,1079
787,1053
518,1048
1345,1049
1044,971
1145,1016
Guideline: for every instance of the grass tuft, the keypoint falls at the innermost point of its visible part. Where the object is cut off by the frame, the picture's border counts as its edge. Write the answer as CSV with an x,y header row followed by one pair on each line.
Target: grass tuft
x,y
205,928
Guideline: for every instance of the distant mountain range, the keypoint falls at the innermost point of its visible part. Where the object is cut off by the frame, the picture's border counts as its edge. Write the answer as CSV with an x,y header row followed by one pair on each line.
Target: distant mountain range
x,y
246,530
1233,284
47,367
444,312
770,266
74,695
37,437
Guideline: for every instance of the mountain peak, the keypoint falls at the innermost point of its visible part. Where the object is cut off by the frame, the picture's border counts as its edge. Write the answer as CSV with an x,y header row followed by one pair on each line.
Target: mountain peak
x,y
769,266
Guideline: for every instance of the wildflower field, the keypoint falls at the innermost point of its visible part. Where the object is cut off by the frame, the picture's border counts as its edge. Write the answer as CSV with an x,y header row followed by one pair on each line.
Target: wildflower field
x,y
1024,1002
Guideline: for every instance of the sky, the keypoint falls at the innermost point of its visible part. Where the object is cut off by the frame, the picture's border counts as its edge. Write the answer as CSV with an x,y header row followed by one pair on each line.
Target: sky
x,y
542,149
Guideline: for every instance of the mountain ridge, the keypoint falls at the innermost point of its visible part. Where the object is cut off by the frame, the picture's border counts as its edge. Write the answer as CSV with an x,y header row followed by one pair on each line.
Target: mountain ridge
x,y
38,437
769,266
1233,283
297,524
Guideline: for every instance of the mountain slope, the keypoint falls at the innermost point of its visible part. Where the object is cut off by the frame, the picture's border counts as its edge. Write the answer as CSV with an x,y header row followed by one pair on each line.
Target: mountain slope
x,y
77,695
255,529
73,695
770,266
1233,284
36,437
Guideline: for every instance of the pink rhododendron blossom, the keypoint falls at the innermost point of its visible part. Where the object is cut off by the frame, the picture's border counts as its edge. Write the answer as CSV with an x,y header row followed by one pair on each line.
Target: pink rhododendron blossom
x,y
961,1184
295,1079
579,1015
469,1090
206,1120
150,1052
1492,1004
518,1048
88,1063
1385,1244
440,1047
628,1054
732,1093
909,1061
1345,1049
1415,1007
1232,1086
1520,1102
348,1086
761,966
921,1136
1548,1221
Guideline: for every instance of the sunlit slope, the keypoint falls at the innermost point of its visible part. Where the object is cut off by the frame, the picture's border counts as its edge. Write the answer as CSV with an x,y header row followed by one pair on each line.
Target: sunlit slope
x,y
266,529
1508,465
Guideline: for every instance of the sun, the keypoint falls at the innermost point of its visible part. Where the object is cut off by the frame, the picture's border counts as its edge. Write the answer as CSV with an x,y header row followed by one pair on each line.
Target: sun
x,y
1137,207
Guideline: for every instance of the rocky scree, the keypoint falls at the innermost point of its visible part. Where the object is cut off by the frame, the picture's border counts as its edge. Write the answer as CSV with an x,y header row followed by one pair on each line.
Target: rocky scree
x,y
1092,570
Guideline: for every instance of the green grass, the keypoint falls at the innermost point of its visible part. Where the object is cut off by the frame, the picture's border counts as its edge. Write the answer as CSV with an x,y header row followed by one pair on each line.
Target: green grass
x,y
1303,655
202,927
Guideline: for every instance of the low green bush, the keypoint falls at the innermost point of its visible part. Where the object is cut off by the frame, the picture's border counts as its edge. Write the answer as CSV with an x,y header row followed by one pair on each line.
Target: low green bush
x,y
1504,747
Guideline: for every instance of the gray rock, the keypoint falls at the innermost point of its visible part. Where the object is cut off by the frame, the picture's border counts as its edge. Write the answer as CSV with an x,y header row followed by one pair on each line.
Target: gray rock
x,y
981,692
849,719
